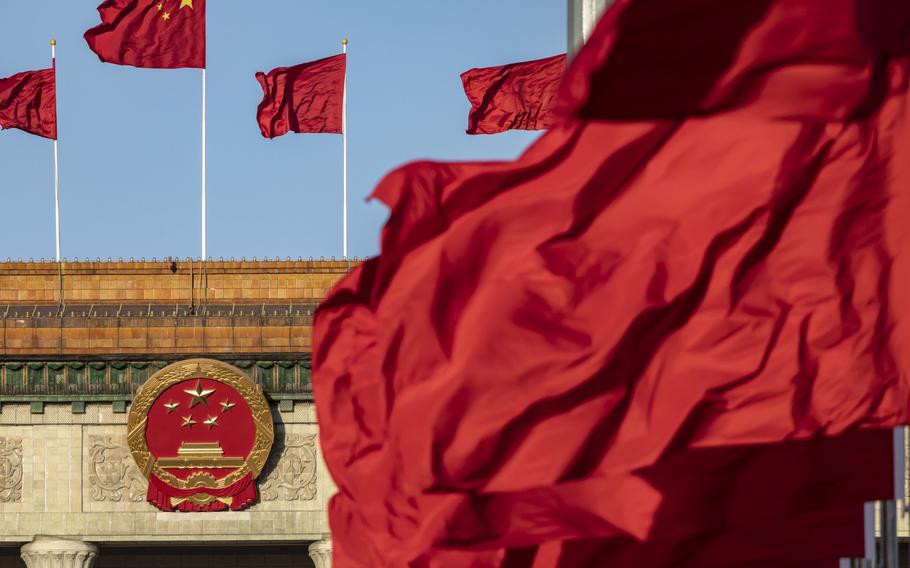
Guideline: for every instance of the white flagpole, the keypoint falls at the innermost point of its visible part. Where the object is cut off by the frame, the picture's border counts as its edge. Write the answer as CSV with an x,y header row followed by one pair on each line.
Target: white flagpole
x,y
56,172
203,166
344,154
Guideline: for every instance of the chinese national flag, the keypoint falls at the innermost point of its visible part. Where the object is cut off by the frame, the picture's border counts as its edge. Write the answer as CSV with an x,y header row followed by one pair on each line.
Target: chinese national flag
x,y
304,98
159,34
672,333
28,101
518,96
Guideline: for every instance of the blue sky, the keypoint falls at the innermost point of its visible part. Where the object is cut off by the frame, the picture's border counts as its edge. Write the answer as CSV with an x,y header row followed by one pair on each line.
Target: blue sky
x,y
130,138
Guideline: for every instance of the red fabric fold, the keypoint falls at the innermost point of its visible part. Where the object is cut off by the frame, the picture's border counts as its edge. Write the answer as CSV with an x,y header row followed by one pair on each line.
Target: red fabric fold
x,y
654,59
517,96
304,98
582,345
158,34
28,101
797,504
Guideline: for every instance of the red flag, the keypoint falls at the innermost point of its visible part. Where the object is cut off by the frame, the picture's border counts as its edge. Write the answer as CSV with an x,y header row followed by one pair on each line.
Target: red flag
x,y
28,101
792,505
304,98
808,525
513,97
708,261
159,34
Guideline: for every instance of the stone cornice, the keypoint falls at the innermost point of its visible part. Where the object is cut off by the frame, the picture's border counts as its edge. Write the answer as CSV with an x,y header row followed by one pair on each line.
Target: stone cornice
x,y
100,379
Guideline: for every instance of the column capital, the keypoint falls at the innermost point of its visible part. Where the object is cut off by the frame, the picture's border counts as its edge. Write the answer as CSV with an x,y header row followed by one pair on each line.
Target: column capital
x,y
52,552
321,552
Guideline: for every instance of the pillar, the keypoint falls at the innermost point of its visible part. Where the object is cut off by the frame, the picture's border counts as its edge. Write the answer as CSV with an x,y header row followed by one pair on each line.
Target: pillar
x,y
50,552
321,552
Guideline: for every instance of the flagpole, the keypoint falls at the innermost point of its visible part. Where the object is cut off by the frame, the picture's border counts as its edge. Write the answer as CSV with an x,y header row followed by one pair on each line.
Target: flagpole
x,y
344,153
203,167
56,167
895,508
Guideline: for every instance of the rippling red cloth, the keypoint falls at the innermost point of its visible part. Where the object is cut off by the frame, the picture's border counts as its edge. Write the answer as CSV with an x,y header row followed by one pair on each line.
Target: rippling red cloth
x,y
303,98
552,357
517,96
158,34
28,101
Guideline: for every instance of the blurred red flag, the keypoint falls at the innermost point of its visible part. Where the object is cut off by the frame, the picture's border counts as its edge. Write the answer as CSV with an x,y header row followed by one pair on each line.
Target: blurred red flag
x,y
28,101
552,357
304,98
796,505
517,96
159,34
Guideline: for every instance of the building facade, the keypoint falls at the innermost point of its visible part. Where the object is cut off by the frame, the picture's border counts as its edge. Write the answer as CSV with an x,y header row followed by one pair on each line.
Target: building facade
x,y
76,342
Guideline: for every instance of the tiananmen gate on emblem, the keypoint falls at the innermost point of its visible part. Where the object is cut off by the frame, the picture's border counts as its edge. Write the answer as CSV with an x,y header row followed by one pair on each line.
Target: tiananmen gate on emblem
x,y
200,431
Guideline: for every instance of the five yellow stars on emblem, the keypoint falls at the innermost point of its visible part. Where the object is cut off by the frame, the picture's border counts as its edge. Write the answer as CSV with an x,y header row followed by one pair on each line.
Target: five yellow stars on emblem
x,y
199,394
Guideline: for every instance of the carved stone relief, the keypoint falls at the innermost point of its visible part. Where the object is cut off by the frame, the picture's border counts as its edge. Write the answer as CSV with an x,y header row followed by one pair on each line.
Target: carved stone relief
x,y
292,471
10,470
113,474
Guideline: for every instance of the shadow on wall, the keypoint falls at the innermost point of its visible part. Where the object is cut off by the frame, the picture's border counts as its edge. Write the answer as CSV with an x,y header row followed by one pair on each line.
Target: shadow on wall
x,y
9,557
155,556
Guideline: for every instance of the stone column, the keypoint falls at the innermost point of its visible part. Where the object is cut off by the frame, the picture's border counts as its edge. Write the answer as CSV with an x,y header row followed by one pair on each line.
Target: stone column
x,y
50,552
321,552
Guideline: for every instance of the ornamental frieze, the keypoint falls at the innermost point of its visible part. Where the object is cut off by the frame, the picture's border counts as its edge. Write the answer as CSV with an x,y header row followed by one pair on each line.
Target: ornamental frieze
x,y
10,470
200,431
91,378
113,475
292,472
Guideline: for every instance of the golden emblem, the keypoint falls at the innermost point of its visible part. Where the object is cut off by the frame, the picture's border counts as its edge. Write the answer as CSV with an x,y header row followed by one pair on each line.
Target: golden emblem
x,y
199,455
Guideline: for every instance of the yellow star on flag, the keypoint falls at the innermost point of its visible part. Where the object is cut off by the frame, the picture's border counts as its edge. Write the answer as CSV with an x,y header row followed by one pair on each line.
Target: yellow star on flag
x,y
160,6
199,394
185,3
166,16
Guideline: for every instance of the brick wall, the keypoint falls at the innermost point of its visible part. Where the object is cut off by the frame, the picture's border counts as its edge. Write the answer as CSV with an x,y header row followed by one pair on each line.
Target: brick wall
x,y
88,337
277,299
179,282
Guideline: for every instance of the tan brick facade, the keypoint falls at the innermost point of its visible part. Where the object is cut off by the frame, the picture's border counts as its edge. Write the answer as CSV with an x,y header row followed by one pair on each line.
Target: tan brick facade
x,y
161,308
165,282
77,340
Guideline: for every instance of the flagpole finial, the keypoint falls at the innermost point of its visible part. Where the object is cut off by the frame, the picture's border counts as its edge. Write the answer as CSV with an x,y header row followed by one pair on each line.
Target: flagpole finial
x,y
344,41
53,42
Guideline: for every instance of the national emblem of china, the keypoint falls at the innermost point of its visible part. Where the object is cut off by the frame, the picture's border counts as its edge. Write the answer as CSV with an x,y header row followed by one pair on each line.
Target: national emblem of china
x,y
200,431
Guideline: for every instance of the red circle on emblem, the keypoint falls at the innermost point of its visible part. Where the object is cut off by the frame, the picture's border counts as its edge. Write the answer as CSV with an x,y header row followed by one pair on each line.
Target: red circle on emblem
x,y
200,424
